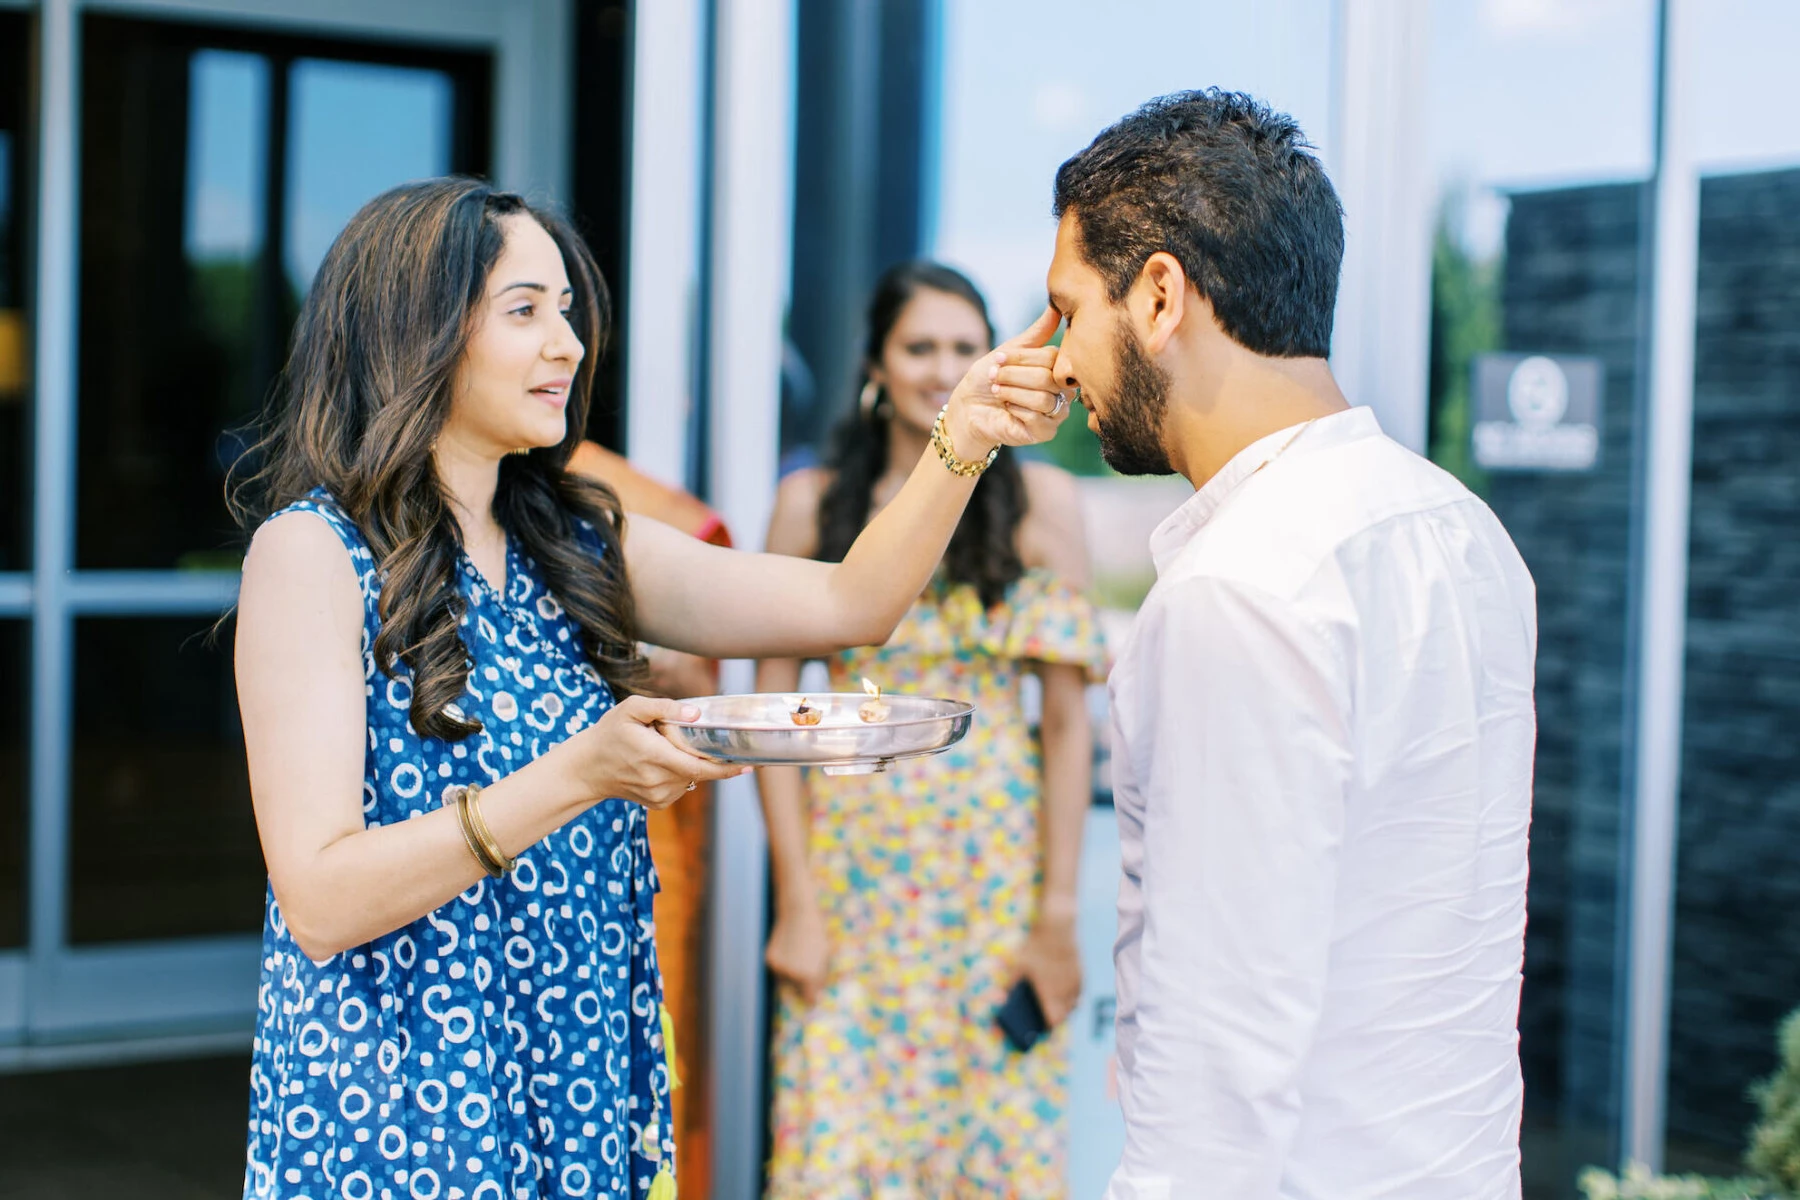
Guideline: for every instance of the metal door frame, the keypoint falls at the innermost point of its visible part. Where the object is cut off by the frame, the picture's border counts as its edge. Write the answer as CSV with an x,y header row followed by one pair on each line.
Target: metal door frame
x,y
61,1003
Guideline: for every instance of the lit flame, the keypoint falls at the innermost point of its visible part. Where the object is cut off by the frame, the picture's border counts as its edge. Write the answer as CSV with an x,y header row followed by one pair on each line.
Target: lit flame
x,y
872,689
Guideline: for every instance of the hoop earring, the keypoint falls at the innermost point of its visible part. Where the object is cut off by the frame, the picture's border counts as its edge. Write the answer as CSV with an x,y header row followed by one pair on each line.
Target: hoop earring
x,y
869,401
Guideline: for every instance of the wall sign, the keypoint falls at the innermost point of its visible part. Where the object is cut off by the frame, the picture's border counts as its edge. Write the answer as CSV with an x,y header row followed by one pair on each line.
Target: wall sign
x,y
1534,412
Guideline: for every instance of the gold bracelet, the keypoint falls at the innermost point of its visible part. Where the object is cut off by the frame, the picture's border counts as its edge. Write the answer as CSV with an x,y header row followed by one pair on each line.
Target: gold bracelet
x,y
940,441
460,798
496,860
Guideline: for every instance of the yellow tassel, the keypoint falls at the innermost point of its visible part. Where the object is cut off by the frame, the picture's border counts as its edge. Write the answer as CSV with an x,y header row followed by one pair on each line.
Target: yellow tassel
x,y
668,1032
663,1186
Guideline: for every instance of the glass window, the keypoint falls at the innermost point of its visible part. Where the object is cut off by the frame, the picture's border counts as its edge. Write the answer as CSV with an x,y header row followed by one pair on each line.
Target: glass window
x,y
15,655
216,170
15,350
224,211
1736,968
341,157
1536,260
162,836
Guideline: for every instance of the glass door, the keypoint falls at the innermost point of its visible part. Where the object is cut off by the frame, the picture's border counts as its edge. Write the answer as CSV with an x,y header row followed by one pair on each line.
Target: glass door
x,y
1541,142
1736,954
216,172
216,164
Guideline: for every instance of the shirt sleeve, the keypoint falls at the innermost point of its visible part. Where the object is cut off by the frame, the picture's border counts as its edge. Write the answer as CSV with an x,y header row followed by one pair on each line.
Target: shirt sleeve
x,y
1243,721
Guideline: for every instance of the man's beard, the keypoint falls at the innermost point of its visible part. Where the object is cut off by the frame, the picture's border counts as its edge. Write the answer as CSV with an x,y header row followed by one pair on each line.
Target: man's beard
x,y
1131,431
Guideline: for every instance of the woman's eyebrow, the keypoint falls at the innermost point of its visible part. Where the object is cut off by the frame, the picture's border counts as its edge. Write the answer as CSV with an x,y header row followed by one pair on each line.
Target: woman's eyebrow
x,y
568,289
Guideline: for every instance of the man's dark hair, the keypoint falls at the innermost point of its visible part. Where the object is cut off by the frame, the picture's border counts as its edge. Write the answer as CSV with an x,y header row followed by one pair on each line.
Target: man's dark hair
x,y
1231,189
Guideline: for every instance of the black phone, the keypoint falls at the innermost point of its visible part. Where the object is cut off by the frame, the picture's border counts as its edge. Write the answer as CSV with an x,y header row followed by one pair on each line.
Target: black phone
x,y
1021,1017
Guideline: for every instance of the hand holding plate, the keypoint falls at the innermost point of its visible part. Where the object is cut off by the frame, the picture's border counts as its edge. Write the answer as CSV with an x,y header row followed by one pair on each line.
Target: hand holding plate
x,y
628,754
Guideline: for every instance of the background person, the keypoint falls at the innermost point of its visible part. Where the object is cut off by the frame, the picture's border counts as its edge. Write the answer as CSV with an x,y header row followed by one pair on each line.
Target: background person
x,y
460,991
909,903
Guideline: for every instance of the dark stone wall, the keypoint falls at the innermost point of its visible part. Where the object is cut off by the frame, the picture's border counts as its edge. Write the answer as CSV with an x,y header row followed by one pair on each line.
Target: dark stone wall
x,y
1737,927
1570,286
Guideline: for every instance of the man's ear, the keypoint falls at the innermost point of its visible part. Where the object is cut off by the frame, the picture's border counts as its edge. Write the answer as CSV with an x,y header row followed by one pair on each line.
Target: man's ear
x,y
1159,301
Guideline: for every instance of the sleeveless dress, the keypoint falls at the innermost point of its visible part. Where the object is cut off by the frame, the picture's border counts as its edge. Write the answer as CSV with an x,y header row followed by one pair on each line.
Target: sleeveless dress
x,y
509,1044
896,1083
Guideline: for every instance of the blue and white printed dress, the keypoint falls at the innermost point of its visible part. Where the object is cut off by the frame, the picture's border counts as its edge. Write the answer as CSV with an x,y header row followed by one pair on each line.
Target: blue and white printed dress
x,y
509,1044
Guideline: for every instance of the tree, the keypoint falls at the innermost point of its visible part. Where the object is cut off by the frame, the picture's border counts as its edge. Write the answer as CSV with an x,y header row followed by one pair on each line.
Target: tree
x,y
1775,1141
1465,321
1774,1147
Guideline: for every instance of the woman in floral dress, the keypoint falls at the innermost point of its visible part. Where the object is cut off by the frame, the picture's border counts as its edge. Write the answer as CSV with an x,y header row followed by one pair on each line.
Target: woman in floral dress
x,y
909,903
436,651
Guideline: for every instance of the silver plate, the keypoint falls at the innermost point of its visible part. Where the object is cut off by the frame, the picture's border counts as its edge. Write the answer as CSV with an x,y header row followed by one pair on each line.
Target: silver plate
x,y
758,729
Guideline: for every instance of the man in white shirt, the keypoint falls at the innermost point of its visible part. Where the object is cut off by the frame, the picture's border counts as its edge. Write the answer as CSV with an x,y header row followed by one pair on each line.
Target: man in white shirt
x,y
1323,721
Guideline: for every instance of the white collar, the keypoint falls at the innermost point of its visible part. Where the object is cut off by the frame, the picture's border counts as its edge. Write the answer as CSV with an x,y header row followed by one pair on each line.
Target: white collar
x,y
1180,526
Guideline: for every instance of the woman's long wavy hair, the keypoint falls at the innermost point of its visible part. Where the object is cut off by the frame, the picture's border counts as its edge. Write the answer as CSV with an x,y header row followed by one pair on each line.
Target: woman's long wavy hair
x,y
984,551
368,387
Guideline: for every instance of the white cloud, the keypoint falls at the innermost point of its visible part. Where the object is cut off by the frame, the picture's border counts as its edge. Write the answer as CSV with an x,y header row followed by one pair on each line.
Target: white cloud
x,y
1060,107
222,223
1548,18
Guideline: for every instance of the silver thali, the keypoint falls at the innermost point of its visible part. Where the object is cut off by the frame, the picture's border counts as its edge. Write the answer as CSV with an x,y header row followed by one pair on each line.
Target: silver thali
x,y
758,729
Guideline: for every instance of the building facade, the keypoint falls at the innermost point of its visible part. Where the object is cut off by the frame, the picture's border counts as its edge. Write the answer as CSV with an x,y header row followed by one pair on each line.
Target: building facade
x,y
172,170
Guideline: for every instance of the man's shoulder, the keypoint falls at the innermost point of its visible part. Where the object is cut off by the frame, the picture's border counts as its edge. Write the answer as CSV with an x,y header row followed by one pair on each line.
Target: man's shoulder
x,y
1294,523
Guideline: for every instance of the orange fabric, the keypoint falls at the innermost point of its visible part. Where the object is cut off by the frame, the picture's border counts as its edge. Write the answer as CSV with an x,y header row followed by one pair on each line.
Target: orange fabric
x,y
641,493
680,843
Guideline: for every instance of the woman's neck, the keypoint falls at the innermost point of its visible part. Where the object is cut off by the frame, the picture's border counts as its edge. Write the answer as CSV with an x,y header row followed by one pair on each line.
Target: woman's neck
x,y
470,480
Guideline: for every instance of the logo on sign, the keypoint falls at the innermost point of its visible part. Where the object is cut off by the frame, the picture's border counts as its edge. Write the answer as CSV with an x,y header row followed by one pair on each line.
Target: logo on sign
x,y
1538,392
1536,413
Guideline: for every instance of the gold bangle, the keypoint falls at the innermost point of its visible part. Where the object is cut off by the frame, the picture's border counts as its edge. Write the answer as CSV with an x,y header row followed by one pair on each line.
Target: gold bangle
x,y
940,441
460,798
495,858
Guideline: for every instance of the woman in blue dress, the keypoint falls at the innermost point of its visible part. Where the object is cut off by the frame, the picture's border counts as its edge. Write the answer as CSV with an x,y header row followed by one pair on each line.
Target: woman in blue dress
x,y
437,662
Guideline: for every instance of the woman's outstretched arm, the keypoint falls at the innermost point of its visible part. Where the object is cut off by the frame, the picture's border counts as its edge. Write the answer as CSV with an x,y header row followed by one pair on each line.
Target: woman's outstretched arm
x,y
726,604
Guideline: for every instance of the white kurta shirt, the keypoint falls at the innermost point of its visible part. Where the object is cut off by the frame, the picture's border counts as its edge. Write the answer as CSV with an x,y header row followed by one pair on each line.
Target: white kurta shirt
x,y
1322,751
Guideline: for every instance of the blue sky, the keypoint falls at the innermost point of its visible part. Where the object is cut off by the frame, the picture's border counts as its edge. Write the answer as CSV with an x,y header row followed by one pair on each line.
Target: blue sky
x,y
1025,86
357,131
227,123
354,130
1522,94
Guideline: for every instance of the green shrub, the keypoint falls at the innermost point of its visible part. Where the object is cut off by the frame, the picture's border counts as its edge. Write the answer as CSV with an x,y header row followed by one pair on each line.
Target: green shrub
x,y
1638,1183
1775,1141
1774,1147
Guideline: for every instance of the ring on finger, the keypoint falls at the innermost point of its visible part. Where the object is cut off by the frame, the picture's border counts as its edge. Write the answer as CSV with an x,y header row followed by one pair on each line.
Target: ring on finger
x,y
1061,401
692,784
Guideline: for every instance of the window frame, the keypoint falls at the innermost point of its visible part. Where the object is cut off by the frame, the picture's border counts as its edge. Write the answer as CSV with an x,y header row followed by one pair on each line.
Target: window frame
x,y
61,1003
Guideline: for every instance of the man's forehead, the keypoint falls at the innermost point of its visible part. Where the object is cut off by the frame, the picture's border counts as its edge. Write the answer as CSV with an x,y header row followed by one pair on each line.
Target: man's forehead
x,y
1068,272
